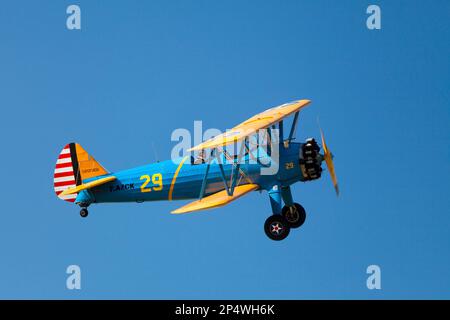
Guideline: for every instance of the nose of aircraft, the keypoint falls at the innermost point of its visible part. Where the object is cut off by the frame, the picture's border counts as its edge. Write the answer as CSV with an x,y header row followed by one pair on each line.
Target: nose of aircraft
x,y
310,160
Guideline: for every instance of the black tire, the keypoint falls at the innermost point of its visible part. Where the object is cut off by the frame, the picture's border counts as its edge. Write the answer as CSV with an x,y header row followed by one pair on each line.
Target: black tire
x,y
276,227
295,218
84,212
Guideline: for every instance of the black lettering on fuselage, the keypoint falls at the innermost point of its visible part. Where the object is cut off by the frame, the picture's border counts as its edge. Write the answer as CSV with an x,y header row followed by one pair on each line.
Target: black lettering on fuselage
x,y
121,187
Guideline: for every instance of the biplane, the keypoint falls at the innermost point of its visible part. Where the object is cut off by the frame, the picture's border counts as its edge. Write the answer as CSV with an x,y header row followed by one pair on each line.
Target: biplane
x,y
259,154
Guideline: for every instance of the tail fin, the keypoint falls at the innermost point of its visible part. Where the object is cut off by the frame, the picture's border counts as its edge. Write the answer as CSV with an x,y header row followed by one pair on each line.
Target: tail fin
x,y
73,166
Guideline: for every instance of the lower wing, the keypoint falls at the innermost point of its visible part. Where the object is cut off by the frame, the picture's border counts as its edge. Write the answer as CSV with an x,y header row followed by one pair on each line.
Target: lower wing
x,y
217,199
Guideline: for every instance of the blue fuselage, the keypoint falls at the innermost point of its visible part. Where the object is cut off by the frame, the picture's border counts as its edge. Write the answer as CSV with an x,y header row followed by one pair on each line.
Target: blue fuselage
x,y
173,180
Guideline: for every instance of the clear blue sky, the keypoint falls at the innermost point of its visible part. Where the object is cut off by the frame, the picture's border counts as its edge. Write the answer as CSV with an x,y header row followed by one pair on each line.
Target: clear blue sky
x,y
140,69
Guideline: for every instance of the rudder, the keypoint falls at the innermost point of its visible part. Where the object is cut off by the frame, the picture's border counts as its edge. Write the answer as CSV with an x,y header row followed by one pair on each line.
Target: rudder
x,y
73,166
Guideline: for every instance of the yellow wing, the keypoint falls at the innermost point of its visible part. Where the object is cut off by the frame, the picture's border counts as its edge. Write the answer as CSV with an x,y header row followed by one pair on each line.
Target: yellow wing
x,y
260,121
87,185
218,199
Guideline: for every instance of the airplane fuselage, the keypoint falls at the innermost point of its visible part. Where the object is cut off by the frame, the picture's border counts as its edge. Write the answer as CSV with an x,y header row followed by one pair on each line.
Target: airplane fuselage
x,y
182,179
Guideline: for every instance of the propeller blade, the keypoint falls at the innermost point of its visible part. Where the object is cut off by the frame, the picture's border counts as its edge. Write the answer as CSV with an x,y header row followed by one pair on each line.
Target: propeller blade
x,y
328,157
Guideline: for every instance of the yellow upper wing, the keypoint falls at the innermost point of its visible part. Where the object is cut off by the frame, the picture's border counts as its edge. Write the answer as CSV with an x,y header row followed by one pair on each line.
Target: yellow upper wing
x,y
218,199
260,121
88,185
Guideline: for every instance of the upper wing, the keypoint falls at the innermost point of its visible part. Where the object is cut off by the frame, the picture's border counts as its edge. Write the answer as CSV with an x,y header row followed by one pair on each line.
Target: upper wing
x,y
260,121
88,185
218,199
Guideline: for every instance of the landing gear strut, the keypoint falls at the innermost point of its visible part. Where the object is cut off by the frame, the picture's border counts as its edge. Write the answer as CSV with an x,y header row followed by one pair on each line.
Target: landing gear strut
x,y
84,212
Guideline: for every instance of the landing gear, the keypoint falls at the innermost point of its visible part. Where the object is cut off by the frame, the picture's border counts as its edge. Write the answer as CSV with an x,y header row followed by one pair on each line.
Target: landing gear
x,y
295,215
277,227
292,215
84,212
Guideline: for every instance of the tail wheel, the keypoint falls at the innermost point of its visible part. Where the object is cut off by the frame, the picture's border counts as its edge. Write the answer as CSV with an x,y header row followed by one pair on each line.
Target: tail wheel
x,y
295,215
84,212
276,227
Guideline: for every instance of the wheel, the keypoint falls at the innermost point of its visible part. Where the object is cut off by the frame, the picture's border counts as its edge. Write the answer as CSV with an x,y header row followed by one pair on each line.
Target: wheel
x,y
84,212
276,227
295,215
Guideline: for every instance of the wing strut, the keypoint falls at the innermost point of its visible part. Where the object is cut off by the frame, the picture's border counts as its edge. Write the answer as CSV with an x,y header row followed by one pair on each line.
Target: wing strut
x,y
293,127
236,174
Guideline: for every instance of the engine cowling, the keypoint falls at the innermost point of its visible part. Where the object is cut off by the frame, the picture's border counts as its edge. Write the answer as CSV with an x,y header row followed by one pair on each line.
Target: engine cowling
x,y
310,160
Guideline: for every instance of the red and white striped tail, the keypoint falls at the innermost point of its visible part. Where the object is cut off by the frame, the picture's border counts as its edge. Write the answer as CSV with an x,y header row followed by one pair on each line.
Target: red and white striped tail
x,y
64,176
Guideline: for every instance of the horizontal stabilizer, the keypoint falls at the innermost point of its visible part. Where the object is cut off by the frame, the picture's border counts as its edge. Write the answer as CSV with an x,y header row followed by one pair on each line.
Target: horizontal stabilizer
x,y
87,185
218,199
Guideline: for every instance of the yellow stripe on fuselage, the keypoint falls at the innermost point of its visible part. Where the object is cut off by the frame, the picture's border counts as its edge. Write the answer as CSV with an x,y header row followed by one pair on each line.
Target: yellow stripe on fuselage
x,y
174,179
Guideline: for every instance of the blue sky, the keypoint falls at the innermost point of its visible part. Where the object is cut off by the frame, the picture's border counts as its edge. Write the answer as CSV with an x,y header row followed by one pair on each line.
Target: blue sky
x,y
138,70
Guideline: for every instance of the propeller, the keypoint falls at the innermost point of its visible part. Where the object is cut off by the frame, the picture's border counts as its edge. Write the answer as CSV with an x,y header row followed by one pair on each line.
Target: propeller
x,y
328,157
